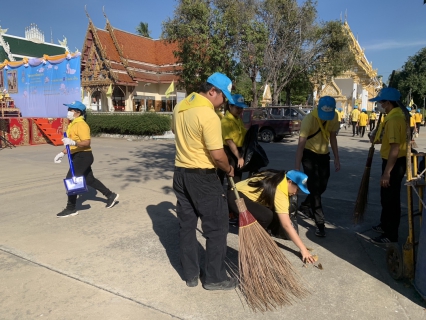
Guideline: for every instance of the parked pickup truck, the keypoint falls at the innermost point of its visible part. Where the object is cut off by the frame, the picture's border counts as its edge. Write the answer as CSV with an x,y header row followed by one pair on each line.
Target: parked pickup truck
x,y
274,122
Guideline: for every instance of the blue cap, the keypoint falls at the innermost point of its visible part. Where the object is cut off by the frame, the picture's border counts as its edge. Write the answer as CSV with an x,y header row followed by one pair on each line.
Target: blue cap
x,y
76,105
389,94
364,110
299,178
408,108
222,82
326,108
356,107
239,101
418,110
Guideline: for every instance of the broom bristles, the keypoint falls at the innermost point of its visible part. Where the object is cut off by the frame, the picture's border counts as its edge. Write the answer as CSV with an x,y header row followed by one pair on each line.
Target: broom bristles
x,y
267,279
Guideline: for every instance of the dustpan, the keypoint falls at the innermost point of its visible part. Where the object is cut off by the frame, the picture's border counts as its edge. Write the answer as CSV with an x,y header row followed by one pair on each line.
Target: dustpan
x,y
74,185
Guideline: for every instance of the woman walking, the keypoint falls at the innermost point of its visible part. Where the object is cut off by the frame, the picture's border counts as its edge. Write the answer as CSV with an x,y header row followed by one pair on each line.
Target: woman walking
x,y
78,139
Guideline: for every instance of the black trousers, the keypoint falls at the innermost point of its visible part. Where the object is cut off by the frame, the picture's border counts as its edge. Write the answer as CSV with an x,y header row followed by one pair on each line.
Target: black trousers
x,y
390,199
412,132
262,214
233,161
372,125
355,128
418,125
361,131
82,162
200,195
317,168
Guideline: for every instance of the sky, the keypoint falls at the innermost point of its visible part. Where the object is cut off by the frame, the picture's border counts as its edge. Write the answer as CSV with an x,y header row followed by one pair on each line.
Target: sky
x,y
390,31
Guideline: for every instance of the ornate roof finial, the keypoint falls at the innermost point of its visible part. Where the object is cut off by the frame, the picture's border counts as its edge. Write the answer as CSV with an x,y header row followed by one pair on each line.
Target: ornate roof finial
x,y
87,13
346,15
341,16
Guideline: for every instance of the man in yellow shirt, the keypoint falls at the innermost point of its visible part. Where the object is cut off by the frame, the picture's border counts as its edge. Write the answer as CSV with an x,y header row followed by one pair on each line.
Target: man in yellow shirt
x,y
412,123
318,130
199,193
362,122
372,120
354,119
393,152
419,118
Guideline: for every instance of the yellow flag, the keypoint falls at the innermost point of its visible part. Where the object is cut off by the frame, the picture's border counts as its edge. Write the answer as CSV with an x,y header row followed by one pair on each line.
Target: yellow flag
x,y
171,89
411,102
109,92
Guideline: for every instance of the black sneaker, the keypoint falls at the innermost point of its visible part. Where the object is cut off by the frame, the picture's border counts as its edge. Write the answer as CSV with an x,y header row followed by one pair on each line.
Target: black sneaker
x,y
192,282
382,240
67,213
378,228
320,232
112,199
229,284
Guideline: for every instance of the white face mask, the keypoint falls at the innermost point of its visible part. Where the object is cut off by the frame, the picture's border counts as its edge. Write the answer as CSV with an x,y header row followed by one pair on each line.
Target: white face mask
x,y
380,108
70,116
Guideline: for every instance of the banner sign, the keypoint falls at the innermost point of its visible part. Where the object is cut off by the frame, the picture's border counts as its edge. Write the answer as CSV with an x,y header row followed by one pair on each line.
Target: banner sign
x,y
41,86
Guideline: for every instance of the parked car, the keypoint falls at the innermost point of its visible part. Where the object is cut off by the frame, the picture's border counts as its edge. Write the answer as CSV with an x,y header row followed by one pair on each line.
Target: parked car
x,y
274,122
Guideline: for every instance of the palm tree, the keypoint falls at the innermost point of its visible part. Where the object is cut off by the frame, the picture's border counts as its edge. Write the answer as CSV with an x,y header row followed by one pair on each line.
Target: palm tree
x,y
142,29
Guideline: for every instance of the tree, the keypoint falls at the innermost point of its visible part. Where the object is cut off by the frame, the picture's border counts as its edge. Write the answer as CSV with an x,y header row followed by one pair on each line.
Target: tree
x,y
142,30
298,45
205,44
412,77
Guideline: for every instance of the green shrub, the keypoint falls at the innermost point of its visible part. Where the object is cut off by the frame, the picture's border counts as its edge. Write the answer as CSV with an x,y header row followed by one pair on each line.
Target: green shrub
x,y
145,124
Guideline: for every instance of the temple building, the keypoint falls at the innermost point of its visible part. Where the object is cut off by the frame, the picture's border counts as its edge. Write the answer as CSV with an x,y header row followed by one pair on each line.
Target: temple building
x,y
33,45
355,86
121,71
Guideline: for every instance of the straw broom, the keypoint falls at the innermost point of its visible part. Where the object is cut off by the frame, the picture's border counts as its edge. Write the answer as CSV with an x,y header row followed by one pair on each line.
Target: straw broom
x,y
361,200
267,279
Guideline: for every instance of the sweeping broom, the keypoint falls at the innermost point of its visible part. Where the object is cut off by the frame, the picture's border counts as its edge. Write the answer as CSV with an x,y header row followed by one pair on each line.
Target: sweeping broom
x,y
361,200
267,279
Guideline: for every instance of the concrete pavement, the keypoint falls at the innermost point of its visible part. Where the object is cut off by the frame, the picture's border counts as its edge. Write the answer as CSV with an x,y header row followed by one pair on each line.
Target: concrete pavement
x,y
122,263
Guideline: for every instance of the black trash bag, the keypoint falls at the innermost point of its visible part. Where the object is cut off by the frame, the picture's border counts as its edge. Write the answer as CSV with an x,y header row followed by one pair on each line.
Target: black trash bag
x,y
254,156
277,230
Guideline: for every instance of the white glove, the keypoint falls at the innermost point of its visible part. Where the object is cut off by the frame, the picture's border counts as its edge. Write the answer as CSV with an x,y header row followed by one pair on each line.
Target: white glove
x,y
59,157
68,142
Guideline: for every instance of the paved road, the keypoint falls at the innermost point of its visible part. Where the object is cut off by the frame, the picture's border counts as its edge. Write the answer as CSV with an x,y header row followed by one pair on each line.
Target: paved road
x,y
122,263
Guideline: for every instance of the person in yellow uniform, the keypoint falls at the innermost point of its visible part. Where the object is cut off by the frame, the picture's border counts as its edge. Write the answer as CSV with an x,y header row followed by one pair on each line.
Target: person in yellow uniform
x,y
78,139
199,193
354,119
393,152
372,120
318,130
362,122
233,133
412,123
266,195
419,118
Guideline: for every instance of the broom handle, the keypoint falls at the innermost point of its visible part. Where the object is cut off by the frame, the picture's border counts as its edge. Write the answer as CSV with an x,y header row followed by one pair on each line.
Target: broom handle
x,y
231,180
69,157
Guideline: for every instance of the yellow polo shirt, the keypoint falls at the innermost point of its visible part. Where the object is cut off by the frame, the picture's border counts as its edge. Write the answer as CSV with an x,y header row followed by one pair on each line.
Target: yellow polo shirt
x,y
418,117
233,129
78,130
373,116
394,132
197,130
355,115
281,201
363,118
412,121
318,143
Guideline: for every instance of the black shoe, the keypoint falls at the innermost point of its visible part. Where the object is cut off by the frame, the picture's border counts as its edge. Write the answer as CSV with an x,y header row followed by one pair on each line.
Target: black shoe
x,y
320,232
382,240
378,228
67,213
229,284
112,199
192,282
